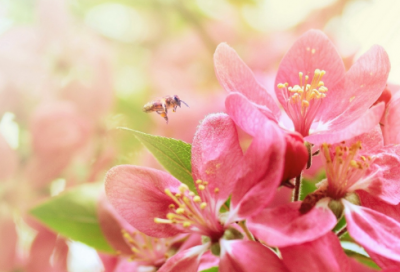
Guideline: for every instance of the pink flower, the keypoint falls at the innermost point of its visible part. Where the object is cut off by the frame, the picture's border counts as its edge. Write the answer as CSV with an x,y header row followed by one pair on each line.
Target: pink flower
x,y
325,103
133,246
361,164
158,205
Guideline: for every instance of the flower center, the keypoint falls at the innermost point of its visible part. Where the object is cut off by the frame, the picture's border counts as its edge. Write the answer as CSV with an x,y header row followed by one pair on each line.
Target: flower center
x,y
304,100
148,250
344,167
192,213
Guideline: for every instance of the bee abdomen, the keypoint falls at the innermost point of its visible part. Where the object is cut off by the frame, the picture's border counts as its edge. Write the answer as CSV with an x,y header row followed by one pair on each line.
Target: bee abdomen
x,y
148,107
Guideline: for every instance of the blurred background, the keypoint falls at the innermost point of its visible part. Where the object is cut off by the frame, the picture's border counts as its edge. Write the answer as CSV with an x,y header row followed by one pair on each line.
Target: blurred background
x,y
73,71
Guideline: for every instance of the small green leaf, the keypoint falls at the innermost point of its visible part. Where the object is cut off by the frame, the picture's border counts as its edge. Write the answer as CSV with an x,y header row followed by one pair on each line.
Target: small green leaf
x,y
212,269
73,214
174,155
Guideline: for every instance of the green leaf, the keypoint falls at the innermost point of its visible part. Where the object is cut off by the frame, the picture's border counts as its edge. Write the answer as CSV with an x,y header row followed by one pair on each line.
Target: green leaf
x,y
174,155
212,269
73,214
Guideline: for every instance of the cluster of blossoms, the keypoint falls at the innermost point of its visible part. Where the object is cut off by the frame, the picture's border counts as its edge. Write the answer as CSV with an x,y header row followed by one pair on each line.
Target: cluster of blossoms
x,y
348,117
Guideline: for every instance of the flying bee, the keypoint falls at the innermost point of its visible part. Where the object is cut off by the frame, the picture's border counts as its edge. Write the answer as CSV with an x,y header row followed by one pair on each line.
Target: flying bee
x,y
162,105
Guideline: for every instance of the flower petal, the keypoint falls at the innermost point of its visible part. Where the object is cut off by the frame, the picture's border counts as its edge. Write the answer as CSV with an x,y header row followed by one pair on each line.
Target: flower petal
x,y
263,162
216,155
384,175
248,256
322,254
364,84
313,50
111,225
138,195
364,124
234,76
185,261
285,225
8,245
391,128
8,160
373,230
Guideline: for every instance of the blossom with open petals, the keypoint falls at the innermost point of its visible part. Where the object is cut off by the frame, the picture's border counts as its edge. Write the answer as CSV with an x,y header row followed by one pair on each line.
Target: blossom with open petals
x,y
361,164
324,102
158,205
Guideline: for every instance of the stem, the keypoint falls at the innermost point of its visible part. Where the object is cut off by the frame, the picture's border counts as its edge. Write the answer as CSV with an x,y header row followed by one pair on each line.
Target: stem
x,y
246,230
341,232
297,187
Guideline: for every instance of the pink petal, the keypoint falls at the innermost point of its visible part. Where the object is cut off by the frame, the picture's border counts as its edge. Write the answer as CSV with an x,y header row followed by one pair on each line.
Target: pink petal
x,y
8,245
234,76
391,128
384,183
138,195
124,265
111,225
109,262
373,230
285,225
313,50
208,260
248,256
364,124
41,251
322,254
216,155
373,203
364,84
185,261
263,161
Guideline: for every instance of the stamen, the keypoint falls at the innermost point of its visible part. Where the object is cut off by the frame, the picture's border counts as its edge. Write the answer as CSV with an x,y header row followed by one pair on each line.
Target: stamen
x,y
345,169
304,99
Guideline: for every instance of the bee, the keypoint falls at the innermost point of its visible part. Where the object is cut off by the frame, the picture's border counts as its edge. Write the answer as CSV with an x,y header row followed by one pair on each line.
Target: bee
x,y
162,105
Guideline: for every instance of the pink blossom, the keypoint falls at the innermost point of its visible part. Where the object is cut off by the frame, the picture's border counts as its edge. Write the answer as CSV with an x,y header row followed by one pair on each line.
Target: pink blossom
x,y
158,205
350,169
324,102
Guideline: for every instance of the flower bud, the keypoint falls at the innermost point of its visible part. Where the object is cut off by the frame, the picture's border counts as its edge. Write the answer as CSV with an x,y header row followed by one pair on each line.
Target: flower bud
x,y
296,156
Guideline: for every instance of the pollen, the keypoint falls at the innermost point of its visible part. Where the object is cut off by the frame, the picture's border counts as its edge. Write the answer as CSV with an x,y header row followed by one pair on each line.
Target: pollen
x,y
192,210
344,167
304,99
146,249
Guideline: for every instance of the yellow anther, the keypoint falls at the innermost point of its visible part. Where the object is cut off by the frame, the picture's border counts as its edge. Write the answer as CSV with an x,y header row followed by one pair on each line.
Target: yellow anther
x,y
205,183
203,205
216,190
171,206
183,188
320,84
286,84
305,103
196,199
135,250
178,195
199,181
170,216
363,158
281,86
191,193
201,187
186,224
317,72
180,211
354,164
323,72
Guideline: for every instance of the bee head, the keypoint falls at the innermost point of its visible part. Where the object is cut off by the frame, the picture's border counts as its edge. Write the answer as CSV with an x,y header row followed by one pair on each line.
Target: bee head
x,y
177,100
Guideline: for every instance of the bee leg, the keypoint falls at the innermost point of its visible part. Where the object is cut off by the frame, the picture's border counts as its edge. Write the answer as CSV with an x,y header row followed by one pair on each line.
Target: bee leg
x,y
164,115
174,109
164,107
